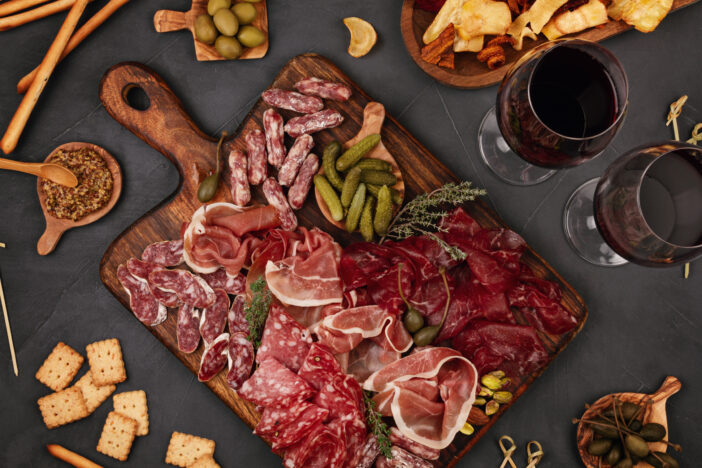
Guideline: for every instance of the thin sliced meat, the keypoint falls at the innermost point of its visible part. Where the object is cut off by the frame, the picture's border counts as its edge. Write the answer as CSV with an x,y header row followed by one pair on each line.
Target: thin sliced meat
x,y
274,385
240,360
214,358
142,270
167,254
319,366
544,313
284,427
214,317
142,302
188,328
342,396
190,289
236,318
401,458
398,438
352,430
284,339
369,357
220,279
322,448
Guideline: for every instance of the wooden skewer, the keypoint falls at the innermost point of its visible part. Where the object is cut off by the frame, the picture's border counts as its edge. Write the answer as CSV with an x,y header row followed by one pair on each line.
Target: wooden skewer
x,y
7,326
91,25
69,457
43,11
19,120
13,6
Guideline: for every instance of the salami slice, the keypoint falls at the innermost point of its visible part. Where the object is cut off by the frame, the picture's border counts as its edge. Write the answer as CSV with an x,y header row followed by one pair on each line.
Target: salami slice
x,y
190,289
292,100
368,452
167,254
142,270
142,302
236,316
238,178
188,331
214,358
275,137
324,89
220,279
297,154
282,427
353,432
299,190
322,448
256,150
319,366
342,396
402,459
274,385
240,360
313,123
284,339
276,198
214,317
421,450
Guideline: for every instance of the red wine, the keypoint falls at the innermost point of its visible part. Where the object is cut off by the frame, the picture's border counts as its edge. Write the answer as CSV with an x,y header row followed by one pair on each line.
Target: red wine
x,y
671,198
573,94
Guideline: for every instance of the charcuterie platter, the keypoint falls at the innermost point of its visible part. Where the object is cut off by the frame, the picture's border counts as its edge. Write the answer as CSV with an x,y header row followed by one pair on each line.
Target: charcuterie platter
x,y
165,125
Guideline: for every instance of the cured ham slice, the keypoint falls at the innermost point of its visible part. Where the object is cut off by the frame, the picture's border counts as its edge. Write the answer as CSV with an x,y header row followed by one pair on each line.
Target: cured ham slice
x,y
142,270
191,289
214,358
431,423
322,448
274,385
214,317
220,279
284,339
142,302
283,427
367,358
240,359
188,328
166,254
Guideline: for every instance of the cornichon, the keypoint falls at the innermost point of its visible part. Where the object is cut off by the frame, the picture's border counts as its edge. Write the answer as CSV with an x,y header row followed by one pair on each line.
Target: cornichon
x,y
383,211
330,197
394,194
353,178
375,164
331,152
370,176
366,225
354,214
352,155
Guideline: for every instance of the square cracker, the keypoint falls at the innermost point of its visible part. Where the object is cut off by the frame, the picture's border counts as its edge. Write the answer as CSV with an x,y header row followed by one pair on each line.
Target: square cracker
x,y
185,449
63,407
133,405
106,364
117,436
205,461
94,395
60,367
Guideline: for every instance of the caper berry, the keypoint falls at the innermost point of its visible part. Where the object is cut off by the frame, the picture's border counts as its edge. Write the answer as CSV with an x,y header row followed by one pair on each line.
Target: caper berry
x,y
208,188
599,447
413,320
426,335
625,463
636,445
614,454
652,432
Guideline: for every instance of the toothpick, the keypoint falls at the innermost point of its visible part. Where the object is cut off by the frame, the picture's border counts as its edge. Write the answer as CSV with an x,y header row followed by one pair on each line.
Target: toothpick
x,y
7,325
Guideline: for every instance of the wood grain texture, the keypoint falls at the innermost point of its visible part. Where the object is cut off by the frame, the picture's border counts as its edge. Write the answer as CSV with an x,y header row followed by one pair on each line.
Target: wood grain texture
x,y
656,413
469,72
169,20
166,127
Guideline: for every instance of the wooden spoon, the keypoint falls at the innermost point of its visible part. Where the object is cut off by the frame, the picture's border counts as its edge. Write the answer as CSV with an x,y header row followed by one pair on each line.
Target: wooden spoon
x,y
53,172
654,413
55,227
373,118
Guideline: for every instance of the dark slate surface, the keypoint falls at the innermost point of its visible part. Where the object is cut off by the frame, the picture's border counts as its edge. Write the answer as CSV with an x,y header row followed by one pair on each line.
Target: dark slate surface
x,y
644,324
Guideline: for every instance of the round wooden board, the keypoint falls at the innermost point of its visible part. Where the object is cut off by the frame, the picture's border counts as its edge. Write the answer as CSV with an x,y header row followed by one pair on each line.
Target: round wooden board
x,y
469,73
55,227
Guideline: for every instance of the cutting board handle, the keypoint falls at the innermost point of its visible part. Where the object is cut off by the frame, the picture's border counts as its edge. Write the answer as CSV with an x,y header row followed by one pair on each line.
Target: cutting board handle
x,y
158,117
48,241
670,386
169,20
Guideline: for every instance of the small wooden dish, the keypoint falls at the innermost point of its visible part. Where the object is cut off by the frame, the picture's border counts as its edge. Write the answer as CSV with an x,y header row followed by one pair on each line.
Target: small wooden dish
x,y
169,20
373,118
655,413
55,227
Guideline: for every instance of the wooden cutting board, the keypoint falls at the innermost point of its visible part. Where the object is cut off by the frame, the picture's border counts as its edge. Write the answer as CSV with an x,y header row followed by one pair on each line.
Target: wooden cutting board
x,y
166,126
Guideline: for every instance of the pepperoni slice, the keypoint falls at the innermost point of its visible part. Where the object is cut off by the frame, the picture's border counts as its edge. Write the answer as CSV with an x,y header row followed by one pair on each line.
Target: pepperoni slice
x,y
141,301
190,289
274,385
214,317
214,358
167,254
282,427
284,339
220,279
240,360
188,331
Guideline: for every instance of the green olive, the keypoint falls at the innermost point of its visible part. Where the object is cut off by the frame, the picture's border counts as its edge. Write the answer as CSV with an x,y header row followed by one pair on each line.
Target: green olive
x,y
214,5
652,432
636,445
205,30
426,335
250,36
228,47
245,12
413,320
599,447
208,188
614,455
225,21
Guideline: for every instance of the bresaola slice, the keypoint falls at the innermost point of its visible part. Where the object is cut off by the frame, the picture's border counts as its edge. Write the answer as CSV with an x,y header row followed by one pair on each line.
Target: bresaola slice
x,y
188,328
214,358
274,385
141,301
214,317
167,254
284,339
240,359
190,289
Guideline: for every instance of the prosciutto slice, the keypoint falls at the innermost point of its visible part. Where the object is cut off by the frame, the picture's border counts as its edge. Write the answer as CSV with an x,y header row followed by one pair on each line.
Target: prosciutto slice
x,y
435,421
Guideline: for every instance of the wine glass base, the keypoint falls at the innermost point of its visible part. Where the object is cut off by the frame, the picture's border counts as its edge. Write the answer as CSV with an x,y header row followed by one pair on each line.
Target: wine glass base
x,y
581,229
504,162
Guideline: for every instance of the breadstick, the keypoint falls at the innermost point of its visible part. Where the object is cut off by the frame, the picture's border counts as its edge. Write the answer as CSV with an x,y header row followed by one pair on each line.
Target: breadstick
x,y
13,6
91,25
69,457
49,9
19,120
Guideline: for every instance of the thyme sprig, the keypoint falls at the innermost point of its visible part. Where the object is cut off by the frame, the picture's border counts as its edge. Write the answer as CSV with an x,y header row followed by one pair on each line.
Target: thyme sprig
x,y
257,311
377,426
422,216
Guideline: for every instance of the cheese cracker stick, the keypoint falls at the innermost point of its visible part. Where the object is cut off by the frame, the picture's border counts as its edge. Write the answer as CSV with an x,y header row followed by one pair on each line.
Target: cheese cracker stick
x,y
19,120
43,11
69,457
91,25
13,6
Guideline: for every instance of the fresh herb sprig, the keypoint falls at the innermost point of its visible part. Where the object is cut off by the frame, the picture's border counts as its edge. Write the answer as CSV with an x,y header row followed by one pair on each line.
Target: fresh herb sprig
x,y
423,214
257,311
380,430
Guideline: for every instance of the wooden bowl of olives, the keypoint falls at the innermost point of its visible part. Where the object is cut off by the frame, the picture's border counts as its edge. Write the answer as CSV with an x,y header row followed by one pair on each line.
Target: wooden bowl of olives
x,y
626,430
222,29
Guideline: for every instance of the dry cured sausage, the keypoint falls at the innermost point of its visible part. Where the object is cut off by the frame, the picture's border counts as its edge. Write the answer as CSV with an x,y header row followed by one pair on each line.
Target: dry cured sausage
x,y
292,100
313,123
275,137
301,187
256,150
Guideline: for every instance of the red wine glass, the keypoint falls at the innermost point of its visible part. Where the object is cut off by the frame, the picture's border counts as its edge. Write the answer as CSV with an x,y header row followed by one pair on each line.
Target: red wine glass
x,y
646,208
557,107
